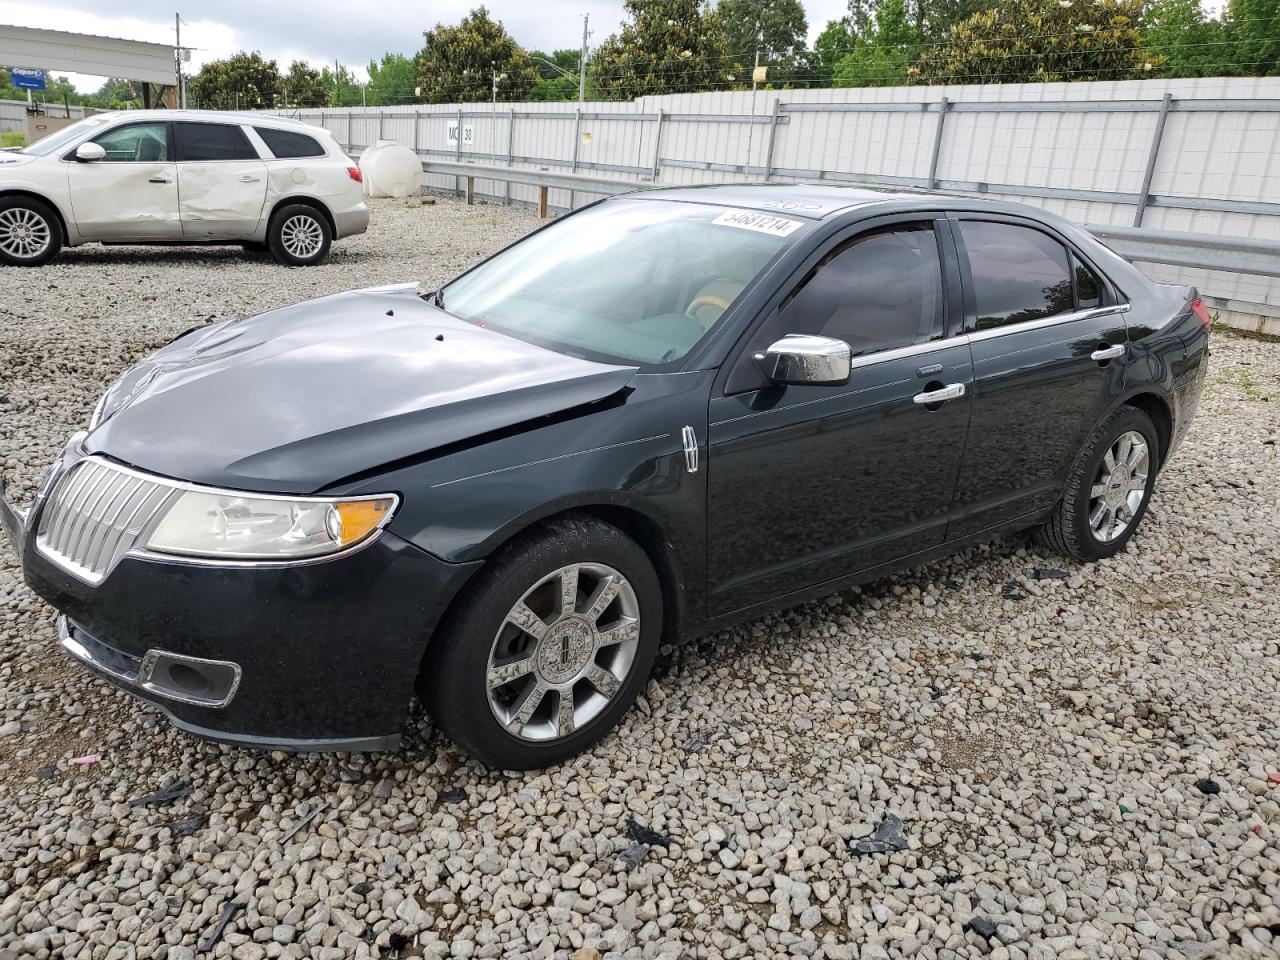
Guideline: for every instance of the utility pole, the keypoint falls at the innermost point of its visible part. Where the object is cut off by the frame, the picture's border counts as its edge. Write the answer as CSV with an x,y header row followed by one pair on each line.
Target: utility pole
x,y
494,67
759,29
582,62
177,56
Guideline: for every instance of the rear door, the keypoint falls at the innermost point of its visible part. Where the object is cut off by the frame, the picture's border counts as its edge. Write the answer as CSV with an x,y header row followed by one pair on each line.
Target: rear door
x,y
1049,354
132,192
222,182
807,484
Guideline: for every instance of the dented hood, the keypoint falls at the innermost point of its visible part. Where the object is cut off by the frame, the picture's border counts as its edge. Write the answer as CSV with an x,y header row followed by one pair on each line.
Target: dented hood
x,y
293,400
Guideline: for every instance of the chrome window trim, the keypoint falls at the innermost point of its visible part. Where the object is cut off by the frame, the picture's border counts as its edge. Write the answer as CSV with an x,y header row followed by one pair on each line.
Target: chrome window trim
x,y
1053,321
140,551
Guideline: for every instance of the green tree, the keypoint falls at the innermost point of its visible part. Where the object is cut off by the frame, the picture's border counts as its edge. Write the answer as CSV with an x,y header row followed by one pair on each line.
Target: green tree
x,y
341,87
666,46
835,41
244,81
1254,27
1036,41
934,18
303,86
885,54
1189,43
457,64
553,83
392,81
115,94
777,27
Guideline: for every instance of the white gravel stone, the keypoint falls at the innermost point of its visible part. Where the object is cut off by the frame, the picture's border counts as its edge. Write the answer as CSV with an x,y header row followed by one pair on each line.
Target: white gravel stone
x,y
1007,735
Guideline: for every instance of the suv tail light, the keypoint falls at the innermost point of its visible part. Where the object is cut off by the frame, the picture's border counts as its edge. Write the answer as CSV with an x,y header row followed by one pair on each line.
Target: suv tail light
x,y
354,173
1201,311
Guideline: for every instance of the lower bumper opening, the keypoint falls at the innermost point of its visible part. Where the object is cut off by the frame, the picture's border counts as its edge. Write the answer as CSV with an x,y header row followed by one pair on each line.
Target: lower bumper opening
x,y
171,676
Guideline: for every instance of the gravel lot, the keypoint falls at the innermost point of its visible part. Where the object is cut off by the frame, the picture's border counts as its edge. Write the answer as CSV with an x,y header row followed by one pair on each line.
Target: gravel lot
x,y
1085,759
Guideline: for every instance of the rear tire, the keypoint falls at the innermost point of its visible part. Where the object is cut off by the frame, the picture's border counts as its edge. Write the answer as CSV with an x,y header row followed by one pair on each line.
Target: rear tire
x,y
30,233
299,236
1108,489
548,648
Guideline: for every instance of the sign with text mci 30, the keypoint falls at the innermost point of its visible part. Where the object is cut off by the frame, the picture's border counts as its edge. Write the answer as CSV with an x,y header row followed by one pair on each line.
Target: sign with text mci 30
x,y
25,79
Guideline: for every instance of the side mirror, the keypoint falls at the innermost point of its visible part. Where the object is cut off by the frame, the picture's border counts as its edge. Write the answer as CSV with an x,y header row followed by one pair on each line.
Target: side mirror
x,y
802,359
88,152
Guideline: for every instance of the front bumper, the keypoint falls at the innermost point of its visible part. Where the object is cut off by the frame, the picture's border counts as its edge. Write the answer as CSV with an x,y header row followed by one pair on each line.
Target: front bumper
x,y
324,654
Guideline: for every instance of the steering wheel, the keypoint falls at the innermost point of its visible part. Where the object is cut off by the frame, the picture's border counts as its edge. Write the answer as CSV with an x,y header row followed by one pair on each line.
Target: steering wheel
x,y
706,300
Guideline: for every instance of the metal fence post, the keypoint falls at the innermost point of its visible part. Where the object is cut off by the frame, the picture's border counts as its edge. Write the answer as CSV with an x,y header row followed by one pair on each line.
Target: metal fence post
x,y
1144,196
416,117
577,140
773,132
457,184
379,125
943,106
657,145
511,126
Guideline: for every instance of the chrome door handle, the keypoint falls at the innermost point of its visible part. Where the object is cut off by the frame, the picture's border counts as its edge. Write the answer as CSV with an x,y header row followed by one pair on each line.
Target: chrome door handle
x,y
160,180
1103,354
248,179
952,391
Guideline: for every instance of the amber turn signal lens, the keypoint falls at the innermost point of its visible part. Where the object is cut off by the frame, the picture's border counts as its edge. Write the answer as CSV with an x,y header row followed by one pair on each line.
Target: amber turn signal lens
x,y
360,518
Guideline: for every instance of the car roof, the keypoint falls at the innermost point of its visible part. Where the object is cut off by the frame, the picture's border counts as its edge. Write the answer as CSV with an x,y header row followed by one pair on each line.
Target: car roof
x,y
217,116
810,200
820,201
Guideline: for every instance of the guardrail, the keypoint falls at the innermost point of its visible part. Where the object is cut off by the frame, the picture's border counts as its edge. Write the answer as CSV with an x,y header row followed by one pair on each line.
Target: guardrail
x,y
1199,250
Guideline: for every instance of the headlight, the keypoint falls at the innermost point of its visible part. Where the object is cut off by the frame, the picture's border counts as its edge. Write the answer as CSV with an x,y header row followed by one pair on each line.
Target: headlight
x,y
250,527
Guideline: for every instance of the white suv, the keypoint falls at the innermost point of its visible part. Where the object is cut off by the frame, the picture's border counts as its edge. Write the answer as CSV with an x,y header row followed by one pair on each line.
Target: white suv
x,y
180,176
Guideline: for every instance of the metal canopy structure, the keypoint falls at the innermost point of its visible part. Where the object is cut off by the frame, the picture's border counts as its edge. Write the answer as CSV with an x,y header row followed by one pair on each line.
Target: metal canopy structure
x,y
83,53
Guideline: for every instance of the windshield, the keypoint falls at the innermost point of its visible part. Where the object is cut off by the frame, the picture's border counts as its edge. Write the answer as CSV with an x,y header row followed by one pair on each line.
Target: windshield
x,y
626,281
55,141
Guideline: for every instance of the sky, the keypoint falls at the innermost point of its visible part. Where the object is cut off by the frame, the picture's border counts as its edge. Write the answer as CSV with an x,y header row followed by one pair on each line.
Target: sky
x,y
320,31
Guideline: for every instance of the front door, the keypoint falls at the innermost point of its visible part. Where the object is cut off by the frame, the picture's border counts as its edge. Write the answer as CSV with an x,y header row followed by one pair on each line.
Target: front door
x,y
132,192
222,181
1049,353
807,484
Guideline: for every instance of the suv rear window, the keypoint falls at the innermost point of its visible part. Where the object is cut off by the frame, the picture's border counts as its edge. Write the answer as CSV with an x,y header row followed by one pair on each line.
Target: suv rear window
x,y
212,141
285,144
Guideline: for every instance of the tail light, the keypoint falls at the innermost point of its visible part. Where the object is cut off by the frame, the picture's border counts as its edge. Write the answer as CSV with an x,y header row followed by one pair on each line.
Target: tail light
x,y
354,173
1201,311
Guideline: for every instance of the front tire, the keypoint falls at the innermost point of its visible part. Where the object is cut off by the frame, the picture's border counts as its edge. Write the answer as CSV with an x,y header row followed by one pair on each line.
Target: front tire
x,y
30,234
1108,489
299,236
548,649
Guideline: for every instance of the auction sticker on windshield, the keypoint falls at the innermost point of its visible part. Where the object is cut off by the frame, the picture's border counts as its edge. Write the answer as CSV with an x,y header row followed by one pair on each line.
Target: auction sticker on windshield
x,y
759,222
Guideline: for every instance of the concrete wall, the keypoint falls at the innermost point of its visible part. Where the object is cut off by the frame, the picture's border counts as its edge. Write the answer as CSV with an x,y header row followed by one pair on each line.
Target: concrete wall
x,y
1084,150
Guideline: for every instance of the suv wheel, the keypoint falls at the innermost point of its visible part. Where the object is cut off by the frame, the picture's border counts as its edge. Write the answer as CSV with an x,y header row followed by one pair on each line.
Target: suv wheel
x,y
29,232
548,649
299,236
1108,489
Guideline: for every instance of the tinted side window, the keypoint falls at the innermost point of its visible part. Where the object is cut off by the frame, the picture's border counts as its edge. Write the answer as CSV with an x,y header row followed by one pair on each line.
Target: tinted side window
x,y
1088,289
136,143
212,141
1018,273
877,292
287,144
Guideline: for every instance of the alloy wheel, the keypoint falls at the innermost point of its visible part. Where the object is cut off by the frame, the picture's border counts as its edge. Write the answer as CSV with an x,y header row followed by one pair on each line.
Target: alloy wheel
x,y
301,236
563,652
1119,487
24,234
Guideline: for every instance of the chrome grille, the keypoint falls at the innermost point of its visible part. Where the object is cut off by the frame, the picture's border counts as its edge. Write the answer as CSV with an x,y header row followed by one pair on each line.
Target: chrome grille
x,y
95,515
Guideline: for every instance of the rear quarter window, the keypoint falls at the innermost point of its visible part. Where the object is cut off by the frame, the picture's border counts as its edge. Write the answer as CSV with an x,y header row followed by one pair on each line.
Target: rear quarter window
x,y
287,144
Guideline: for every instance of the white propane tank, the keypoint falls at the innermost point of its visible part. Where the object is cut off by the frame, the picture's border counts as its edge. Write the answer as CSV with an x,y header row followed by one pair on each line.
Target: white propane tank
x,y
390,170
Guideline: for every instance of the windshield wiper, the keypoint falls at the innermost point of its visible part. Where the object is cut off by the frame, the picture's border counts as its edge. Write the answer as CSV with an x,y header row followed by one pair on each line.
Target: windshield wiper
x,y
437,299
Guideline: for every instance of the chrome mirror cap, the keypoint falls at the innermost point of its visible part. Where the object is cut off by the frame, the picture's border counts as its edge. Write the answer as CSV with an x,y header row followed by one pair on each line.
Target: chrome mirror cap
x,y
800,358
88,152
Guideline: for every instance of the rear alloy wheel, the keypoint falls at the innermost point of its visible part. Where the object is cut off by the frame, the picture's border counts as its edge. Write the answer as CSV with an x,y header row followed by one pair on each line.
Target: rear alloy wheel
x,y
29,232
1108,489
548,648
299,236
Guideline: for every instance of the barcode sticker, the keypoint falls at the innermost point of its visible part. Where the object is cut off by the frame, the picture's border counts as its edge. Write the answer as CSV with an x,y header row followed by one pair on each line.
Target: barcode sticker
x,y
759,222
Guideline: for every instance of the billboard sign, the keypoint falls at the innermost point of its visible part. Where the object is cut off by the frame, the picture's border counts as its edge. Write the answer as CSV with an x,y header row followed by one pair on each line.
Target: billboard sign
x,y
25,79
